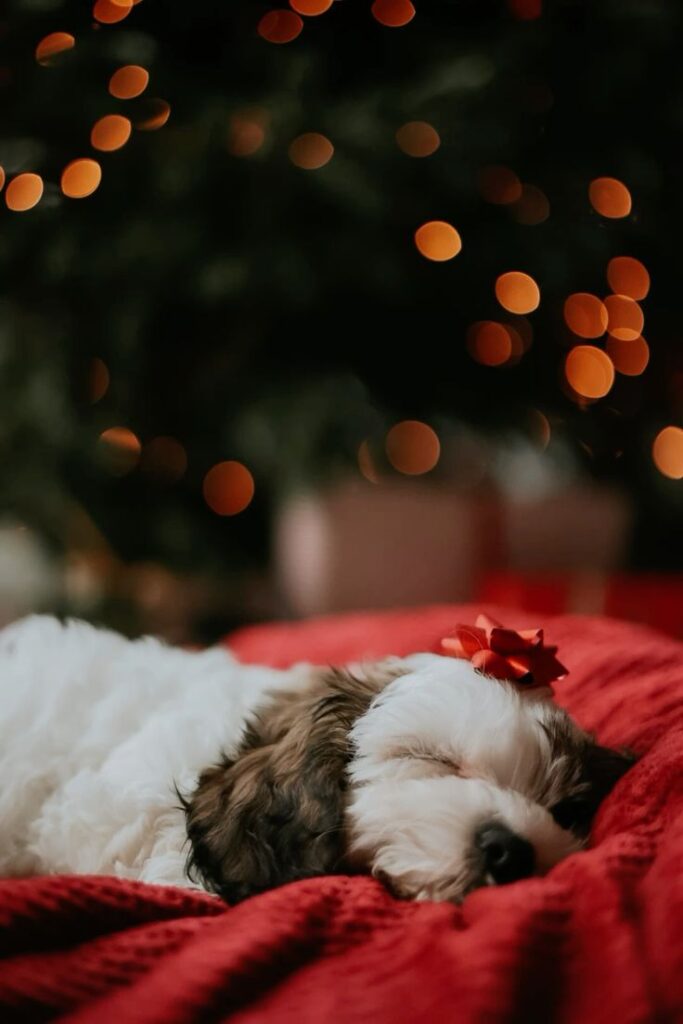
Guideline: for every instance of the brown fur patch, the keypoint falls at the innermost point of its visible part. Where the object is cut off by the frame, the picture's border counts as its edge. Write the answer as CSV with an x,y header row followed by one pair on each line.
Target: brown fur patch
x,y
275,813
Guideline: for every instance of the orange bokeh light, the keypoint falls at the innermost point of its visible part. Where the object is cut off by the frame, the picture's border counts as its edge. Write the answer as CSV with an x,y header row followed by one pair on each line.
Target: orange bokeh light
x,y
490,343
81,178
158,113
526,10
625,318
311,8
366,463
628,276
393,13
247,132
128,82
24,192
499,185
610,197
629,357
517,292
667,452
532,207
589,371
437,240
164,458
110,133
280,26
122,449
585,315
2,178
228,488
418,139
413,447
98,380
52,44
108,13
311,151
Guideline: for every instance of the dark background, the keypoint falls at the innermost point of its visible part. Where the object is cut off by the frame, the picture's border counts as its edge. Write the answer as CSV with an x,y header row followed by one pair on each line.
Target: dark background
x,y
260,312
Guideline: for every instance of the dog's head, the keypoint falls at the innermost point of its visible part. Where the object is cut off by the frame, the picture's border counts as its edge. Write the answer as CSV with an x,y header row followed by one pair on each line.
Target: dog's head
x,y
420,771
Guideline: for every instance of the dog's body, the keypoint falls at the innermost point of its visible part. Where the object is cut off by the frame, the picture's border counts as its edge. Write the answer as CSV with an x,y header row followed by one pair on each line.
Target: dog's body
x,y
419,770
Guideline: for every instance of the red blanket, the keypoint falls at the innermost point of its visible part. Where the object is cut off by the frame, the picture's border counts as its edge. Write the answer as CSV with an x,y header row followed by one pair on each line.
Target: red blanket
x,y
599,939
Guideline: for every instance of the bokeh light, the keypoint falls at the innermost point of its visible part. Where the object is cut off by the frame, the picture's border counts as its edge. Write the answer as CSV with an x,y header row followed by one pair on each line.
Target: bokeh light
x,y
393,13
539,428
518,292
438,240
247,131
280,26
589,371
629,357
109,13
585,315
121,449
412,447
610,197
366,463
490,343
228,488
24,192
128,82
625,318
110,133
628,276
81,178
532,207
525,10
98,380
667,452
499,185
311,8
52,44
2,178
418,139
311,151
156,116
165,459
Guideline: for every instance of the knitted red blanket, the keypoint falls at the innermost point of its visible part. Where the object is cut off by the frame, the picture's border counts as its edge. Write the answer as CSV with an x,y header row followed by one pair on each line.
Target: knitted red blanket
x,y
599,939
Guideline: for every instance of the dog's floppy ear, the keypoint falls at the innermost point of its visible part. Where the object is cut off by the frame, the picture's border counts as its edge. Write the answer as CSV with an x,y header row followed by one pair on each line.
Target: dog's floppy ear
x,y
275,813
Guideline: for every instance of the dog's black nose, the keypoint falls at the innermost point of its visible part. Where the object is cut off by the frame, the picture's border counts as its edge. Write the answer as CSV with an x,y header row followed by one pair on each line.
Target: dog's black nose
x,y
507,857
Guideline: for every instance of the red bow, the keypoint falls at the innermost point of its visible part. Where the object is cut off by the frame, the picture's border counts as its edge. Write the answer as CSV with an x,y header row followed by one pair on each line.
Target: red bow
x,y
515,655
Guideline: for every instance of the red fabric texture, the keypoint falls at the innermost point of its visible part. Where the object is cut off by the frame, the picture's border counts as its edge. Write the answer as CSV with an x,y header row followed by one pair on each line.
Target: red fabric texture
x,y
598,940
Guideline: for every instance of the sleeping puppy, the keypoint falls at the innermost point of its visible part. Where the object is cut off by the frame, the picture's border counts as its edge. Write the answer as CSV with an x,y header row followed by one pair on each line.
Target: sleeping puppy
x,y
119,757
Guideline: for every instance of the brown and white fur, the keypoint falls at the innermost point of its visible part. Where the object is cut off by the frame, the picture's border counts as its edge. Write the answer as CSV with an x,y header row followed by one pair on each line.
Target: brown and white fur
x,y
122,758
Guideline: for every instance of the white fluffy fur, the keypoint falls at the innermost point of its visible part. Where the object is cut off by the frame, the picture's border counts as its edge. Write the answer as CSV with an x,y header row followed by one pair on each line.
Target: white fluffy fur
x,y
95,730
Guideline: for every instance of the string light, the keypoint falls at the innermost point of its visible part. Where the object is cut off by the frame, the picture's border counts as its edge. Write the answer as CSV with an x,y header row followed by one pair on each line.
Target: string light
x,y
311,151
438,240
589,371
667,452
418,139
412,447
586,315
128,82
610,197
517,292
393,13
228,488
311,8
280,26
109,13
110,133
499,185
53,44
628,276
629,357
24,192
625,318
81,178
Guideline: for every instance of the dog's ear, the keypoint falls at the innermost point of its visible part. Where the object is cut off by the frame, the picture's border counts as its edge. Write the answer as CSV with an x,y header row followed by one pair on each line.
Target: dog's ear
x,y
604,767
275,813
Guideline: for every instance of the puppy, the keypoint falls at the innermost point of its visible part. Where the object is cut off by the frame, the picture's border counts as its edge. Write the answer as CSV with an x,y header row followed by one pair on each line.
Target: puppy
x,y
138,760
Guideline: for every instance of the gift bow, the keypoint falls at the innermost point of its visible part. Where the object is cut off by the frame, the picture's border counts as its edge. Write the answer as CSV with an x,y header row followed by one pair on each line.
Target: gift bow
x,y
519,656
